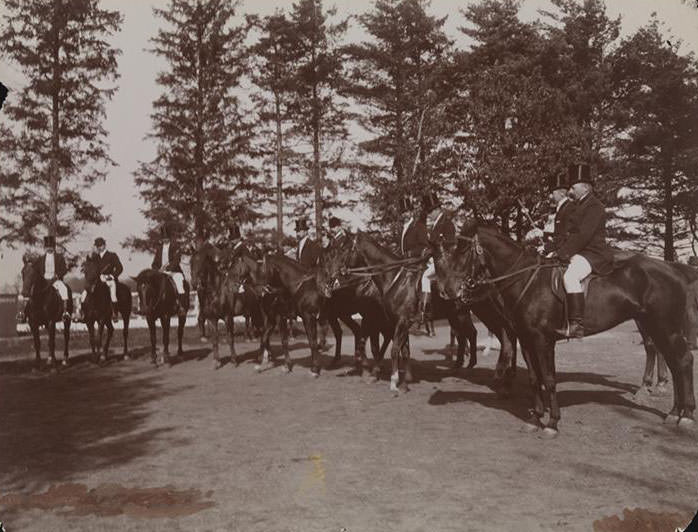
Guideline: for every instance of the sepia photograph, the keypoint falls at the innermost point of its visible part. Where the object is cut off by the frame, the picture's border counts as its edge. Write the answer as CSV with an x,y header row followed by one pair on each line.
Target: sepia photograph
x,y
348,266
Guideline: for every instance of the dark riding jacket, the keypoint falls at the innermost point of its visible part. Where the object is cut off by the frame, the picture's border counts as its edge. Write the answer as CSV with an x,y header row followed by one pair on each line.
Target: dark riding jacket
x,y
443,229
173,258
587,235
415,238
563,221
309,255
109,264
60,268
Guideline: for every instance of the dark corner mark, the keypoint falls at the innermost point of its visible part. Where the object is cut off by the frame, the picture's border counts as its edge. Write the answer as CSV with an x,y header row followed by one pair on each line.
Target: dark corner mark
x,y
3,94
693,525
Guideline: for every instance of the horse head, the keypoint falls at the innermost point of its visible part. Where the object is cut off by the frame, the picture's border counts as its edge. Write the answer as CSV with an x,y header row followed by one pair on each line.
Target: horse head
x,y
148,288
30,276
204,262
333,264
90,268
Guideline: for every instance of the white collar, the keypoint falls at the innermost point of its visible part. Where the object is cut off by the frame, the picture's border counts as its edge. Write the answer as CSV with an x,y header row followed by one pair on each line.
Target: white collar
x,y
560,204
438,218
101,255
237,245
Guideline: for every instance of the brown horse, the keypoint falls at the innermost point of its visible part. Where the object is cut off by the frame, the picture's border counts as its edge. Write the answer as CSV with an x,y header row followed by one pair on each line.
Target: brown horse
x,y
646,290
45,308
348,297
221,297
158,299
97,307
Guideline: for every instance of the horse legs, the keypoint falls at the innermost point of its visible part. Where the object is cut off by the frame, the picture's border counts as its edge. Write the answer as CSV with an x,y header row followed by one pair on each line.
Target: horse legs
x,y
310,323
214,340
110,332
652,356
533,422
153,339
337,331
458,329
181,323
66,340
545,353
359,342
264,347
91,331
52,343
399,340
230,326
37,343
125,316
283,329
471,332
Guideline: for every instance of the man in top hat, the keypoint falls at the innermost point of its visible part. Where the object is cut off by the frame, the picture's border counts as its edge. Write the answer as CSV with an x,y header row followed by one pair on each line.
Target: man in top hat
x,y
442,227
337,229
167,259
236,241
51,266
584,246
308,249
564,207
415,237
110,268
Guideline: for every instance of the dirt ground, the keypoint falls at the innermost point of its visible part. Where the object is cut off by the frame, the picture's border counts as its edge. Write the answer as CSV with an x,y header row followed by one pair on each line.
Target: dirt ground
x,y
130,447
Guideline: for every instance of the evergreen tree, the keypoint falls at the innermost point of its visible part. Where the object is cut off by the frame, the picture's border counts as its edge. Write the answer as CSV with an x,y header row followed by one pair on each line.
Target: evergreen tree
x,y
399,78
55,145
658,155
319,114
276,56
201,179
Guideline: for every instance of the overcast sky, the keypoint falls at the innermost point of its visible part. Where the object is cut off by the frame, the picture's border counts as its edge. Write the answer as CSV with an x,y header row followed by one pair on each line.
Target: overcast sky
x,y
128,113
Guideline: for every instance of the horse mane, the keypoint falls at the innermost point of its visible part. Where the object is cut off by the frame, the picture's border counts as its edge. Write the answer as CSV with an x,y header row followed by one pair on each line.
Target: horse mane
x,y
378,246
287,261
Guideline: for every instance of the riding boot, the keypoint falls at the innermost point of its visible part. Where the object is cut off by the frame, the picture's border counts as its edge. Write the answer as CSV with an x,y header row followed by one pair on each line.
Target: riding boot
x,y
575,311
115,311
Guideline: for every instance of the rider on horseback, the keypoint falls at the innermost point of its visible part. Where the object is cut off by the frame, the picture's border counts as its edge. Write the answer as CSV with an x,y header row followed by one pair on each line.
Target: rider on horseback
x,y
337,229
51,266
169,250
110,268
584,246
564,207
308,250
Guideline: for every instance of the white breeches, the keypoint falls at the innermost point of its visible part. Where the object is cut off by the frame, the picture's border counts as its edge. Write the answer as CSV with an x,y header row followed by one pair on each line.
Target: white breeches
x,y
578,269
111,283
62,289
178,279
427,276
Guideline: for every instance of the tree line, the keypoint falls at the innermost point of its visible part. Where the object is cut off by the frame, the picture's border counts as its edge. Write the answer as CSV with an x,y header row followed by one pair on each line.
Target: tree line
x,y
258,117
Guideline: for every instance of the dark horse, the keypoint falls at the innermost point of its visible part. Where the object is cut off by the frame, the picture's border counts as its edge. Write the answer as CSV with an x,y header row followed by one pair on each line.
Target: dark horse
x,y
348,297
157,299
97,307
222,297
45,307
299,296
639,288
397,280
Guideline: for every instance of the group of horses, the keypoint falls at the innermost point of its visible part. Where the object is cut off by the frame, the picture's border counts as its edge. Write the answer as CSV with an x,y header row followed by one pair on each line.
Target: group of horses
x,y
509,288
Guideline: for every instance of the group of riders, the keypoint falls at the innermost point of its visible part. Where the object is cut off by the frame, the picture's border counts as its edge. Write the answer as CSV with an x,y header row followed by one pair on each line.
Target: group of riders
x,y
577,237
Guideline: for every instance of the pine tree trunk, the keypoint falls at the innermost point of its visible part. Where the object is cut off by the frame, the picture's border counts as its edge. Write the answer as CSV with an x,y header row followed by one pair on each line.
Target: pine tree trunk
x,y
55,134
279,179
669,252
316,171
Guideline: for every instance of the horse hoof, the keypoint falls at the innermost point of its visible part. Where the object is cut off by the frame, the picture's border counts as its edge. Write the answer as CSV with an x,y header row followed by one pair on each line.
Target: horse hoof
x,y
471,363
403,388
259,368
529,428
686,423
660,390
127,358
314,374
217,365
287,369
550,433
64,363
671,419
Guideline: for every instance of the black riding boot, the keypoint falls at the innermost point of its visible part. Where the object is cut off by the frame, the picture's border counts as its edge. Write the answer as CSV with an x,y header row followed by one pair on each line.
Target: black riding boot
x,y
115,311
184,302
575,310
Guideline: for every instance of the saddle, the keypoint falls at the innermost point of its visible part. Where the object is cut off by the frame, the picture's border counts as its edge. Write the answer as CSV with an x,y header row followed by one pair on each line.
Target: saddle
x,y
620,259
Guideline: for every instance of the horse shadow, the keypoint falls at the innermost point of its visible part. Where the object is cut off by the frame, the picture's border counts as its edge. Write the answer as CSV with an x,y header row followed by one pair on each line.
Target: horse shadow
x,y
78,424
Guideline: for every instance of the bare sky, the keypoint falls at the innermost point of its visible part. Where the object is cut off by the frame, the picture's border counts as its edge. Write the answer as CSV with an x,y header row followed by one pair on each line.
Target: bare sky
x,y
128,113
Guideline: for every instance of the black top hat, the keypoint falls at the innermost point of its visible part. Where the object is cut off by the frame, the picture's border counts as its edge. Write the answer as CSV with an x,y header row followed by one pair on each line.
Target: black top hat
x,y
99,241
431,201
3,94
302,224
578,173
405,204
557,182
234,232
165,231
49,241
335,222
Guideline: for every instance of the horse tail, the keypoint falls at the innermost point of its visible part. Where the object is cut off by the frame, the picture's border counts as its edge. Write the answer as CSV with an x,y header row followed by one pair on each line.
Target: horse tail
x,y
692,315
